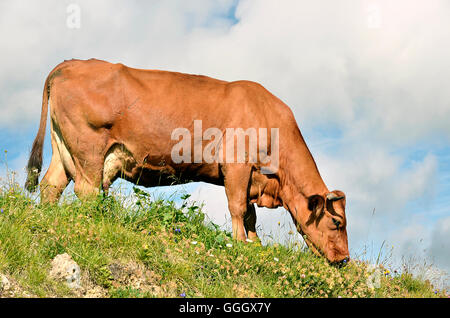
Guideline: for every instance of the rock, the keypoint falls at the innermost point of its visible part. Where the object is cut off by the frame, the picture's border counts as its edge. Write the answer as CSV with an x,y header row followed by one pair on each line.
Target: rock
x,y
5,285
65,268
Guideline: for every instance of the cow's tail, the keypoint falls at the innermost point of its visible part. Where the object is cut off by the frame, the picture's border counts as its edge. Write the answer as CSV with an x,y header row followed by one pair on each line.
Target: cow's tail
x,y
35,162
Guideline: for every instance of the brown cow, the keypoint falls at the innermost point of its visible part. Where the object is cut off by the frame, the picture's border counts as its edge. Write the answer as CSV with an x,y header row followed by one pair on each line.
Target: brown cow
x,y
110,121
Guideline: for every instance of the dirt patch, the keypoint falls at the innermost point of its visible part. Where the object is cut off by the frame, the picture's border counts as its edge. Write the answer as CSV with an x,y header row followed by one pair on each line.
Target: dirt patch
x,y
9,288
136,276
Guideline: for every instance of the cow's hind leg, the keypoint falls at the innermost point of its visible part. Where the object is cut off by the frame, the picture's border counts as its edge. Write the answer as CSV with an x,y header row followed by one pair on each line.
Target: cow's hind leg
x,y
85,190
89,168
54,181
88,182
88,178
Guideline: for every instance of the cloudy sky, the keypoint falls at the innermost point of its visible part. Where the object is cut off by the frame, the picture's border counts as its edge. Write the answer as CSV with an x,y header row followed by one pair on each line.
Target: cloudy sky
x,y
368,82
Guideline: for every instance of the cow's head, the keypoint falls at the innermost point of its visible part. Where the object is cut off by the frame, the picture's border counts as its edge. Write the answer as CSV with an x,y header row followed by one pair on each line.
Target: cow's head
x,y
323,224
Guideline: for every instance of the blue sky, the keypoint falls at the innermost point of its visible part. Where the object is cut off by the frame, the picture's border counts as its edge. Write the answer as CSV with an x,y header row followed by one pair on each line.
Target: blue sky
x,y
366,80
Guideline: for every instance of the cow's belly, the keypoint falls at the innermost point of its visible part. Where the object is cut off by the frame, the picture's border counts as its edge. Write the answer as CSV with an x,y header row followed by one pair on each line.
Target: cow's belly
x,y
120,163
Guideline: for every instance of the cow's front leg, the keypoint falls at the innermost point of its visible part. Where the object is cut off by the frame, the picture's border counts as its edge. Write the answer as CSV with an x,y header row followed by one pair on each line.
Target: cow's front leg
x,y
236,181
237,211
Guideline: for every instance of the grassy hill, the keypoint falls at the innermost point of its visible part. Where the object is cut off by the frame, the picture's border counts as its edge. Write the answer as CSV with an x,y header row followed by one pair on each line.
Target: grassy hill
x,y
152,248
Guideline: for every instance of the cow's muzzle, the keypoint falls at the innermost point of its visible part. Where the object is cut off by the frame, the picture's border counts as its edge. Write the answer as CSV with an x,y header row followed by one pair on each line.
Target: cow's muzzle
x,y
341,263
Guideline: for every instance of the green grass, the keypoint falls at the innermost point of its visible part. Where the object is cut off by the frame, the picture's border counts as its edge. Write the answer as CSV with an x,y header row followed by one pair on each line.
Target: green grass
x,y
152,248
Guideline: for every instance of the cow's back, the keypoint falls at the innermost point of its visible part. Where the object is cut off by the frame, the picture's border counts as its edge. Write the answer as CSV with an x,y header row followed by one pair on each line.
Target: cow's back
x,y
98,105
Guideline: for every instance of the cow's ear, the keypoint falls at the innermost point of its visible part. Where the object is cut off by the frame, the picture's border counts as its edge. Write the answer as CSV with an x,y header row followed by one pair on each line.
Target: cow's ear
x,y
316,203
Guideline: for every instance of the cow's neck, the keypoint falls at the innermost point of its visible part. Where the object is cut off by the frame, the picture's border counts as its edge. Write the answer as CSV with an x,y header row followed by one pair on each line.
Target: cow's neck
x,y
299,175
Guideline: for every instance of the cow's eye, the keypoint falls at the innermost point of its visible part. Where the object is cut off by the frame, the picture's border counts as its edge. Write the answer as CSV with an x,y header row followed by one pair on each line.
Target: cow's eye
x,y
336,222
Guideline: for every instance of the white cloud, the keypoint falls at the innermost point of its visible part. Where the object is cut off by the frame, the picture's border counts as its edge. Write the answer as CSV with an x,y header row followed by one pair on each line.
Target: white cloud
x,y
422,251
439,250
13,172
323,60
374,176
320,57
35,39
16,110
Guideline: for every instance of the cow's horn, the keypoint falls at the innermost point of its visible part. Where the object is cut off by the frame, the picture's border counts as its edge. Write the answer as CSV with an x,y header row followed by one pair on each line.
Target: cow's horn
x,y
334,197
